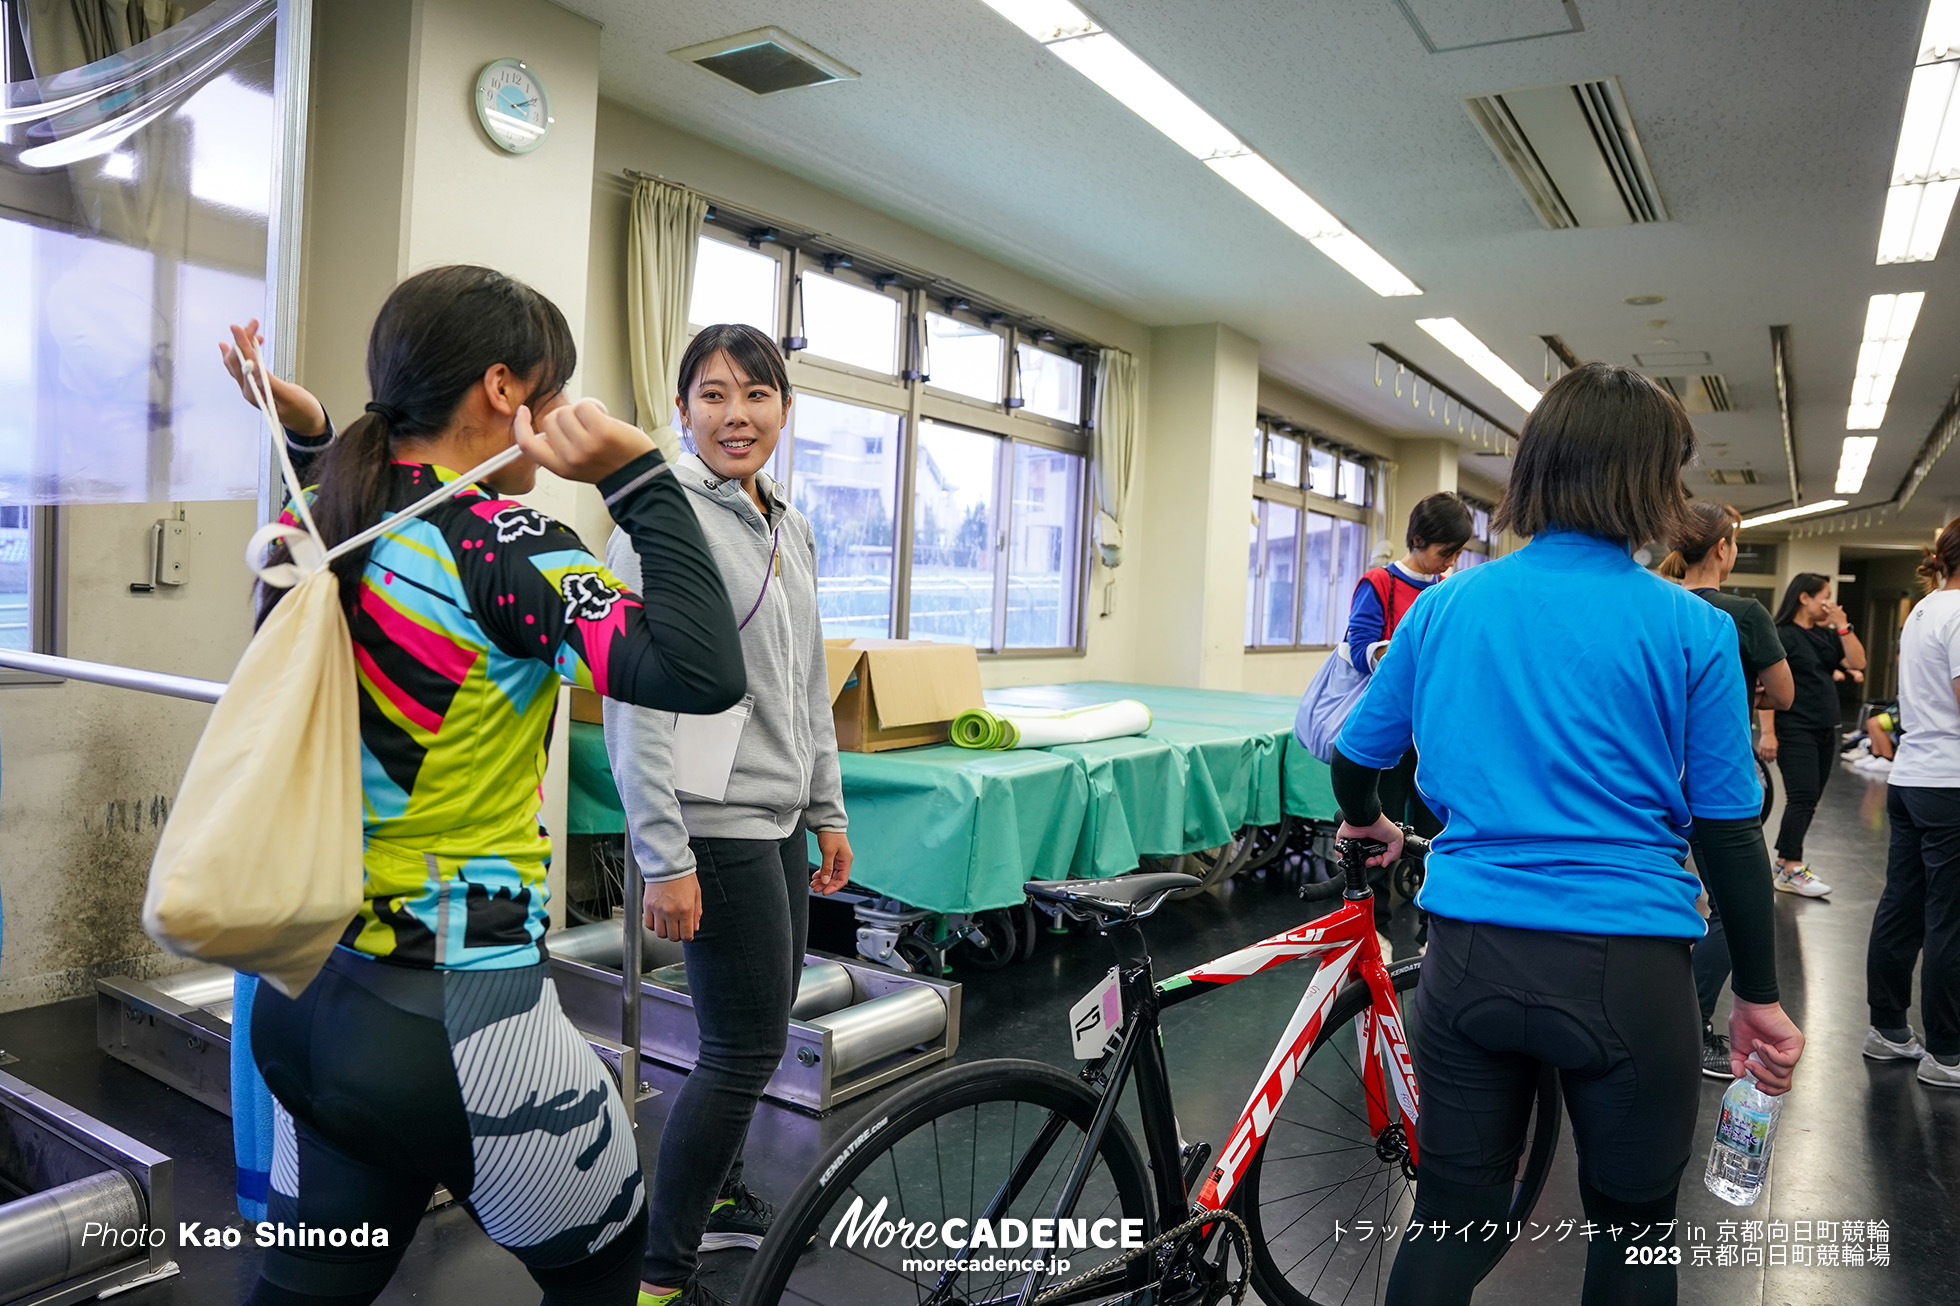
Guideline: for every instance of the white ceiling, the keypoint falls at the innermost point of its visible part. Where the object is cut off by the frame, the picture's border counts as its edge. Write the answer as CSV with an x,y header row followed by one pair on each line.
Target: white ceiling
x,y
1770,125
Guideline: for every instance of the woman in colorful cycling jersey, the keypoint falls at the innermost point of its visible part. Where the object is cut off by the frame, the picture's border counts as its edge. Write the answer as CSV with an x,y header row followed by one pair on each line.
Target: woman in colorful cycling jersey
x,y
432,1050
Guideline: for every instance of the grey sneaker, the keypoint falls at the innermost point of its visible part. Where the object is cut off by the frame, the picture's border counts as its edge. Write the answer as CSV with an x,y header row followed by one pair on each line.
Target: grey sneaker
x,y
1715,1055
1880,1048
1934,1075
1797,879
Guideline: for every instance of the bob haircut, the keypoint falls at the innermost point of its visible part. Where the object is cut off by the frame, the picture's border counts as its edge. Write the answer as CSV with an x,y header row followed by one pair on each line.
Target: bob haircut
x,y
753,353
1443,519
1601,454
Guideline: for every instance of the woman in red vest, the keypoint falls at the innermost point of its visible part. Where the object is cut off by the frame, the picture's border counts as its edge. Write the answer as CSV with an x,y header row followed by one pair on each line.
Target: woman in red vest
x,y
1439,527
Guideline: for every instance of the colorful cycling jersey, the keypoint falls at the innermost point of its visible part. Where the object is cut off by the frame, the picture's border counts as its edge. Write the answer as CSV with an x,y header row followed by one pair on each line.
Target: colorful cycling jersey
x,y
466,621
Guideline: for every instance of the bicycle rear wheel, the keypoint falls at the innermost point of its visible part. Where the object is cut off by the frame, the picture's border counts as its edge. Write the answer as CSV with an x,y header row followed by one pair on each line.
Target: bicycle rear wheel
x,y
1001,1133
1321,1164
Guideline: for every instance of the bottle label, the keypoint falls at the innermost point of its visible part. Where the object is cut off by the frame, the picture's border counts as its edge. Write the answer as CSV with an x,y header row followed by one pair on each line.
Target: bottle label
x,y
1744,1131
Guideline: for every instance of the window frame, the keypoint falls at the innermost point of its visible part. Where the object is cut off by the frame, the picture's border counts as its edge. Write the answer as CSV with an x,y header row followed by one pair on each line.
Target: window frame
x,y
914,399
46,534
767,249
929,306
1268,486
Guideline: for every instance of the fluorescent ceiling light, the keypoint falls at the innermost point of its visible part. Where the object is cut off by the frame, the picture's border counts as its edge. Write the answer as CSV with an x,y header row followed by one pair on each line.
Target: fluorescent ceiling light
x,y
1940,38
1080,42
1805,511
1915,221
1459,340
1854,462
1926,165
1888,329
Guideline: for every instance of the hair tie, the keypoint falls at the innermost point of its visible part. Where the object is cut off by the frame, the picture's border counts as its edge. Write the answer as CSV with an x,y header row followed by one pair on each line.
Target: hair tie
x,y
388,413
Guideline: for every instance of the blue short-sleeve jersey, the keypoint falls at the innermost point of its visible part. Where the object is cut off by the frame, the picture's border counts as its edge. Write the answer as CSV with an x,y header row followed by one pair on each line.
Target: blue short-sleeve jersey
x,y
1572,714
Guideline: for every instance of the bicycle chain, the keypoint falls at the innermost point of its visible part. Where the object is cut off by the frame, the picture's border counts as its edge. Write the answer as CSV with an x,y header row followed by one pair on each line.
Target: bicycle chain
x,y
1163,1239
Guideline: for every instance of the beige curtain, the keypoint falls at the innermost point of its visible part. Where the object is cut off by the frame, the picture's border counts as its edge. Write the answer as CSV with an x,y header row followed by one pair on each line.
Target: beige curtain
x,y
660,245
1118,405
64,34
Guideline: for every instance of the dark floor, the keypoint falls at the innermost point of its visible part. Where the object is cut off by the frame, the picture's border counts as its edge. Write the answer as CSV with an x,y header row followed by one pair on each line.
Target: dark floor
x,y
1858,1141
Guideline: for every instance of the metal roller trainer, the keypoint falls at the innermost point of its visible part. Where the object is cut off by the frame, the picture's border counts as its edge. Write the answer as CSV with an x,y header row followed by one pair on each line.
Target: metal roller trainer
x,y
852,1028
84,1209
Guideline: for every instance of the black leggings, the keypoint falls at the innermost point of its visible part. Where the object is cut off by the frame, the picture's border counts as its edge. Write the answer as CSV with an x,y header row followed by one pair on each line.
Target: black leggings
x,y
1616,1015
1804,756
390,1080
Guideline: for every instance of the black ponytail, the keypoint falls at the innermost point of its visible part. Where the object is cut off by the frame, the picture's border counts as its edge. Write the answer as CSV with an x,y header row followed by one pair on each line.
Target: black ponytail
x,y
1802,586
435,337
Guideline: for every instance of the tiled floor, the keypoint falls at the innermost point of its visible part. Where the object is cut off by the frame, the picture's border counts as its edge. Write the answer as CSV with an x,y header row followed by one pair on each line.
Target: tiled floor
x,y
1858,1141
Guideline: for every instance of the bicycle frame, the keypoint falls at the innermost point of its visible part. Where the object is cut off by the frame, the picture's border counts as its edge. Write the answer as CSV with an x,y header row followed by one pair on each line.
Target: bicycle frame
x,y
1347,948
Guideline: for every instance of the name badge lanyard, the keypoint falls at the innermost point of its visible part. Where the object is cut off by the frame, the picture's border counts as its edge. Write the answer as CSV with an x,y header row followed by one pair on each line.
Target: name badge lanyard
x,y
768,572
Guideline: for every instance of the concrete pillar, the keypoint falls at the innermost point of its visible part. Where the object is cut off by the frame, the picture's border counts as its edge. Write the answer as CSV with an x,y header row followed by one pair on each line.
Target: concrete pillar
x,y
1203,400
1422,468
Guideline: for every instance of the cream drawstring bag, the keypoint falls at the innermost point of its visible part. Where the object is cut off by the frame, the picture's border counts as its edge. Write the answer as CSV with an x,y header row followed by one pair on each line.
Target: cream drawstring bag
x,y
259,867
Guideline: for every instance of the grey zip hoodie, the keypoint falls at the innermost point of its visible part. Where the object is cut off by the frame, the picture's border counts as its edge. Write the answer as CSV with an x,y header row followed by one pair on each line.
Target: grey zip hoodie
x,y
785,771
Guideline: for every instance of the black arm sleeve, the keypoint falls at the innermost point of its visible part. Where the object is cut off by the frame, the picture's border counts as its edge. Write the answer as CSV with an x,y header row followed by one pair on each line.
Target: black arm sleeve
x,y
1734,866
1356,790
693,663
305,450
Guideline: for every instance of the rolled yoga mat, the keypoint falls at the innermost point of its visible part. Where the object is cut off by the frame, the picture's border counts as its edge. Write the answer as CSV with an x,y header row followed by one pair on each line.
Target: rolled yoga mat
x,y
1031,728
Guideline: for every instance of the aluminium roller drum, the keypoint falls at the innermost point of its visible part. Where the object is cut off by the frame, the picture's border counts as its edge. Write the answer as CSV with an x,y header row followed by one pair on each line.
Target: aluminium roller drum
x,y
871,1031
41,1235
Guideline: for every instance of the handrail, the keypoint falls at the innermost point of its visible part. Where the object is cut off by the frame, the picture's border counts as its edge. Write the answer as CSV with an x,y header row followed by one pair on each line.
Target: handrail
x,y
103,673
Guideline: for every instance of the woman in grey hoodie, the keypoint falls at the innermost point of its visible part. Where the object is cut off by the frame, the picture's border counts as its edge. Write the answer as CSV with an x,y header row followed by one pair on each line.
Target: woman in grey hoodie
x,y
717,806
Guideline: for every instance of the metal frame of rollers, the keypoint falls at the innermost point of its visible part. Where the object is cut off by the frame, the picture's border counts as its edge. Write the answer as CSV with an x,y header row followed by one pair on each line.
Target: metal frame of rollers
x,y
146,1004
66,1170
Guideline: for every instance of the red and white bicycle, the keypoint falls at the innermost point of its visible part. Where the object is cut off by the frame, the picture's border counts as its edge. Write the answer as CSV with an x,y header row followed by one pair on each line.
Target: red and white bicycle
x,y
1008,1181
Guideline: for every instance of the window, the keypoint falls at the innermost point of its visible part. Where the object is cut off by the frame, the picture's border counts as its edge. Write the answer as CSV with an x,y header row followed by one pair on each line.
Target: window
x,y
1051,385
963,357
954,535
1043,559
939,511
845,480
850,324
1311,539
17,579
734,284
1481,546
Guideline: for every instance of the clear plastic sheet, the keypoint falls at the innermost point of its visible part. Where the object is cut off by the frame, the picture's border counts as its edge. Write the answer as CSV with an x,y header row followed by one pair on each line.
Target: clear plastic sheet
x,y
134,201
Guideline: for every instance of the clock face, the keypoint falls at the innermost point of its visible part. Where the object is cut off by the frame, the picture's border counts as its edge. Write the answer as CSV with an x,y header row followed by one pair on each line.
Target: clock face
x,y
511,105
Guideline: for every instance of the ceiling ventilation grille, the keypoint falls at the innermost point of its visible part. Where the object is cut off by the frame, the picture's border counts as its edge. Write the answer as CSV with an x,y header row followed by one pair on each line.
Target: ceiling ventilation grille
x,y
1732,475
1707,393
1573,150
765,61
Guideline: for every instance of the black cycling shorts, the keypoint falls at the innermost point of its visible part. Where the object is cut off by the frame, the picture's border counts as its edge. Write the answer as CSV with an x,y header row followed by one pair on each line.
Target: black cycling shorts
x,y
1616,1014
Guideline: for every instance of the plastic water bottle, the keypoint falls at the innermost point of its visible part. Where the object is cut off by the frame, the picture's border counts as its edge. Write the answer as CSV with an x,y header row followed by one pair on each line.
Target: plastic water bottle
x,y
1738,1163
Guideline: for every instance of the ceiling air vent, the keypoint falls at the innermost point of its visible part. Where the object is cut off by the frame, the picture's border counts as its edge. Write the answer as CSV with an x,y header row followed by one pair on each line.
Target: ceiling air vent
x,y
765,61
1572,149
1732,475
1700,394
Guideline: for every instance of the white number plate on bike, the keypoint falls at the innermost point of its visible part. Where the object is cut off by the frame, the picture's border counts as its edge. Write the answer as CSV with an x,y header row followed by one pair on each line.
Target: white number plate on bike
x,y
1095,1020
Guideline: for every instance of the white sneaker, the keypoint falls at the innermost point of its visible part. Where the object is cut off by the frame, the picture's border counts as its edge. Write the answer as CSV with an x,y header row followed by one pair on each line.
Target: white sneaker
x,y
1880,1048
1873,765
1798,880
1934,1075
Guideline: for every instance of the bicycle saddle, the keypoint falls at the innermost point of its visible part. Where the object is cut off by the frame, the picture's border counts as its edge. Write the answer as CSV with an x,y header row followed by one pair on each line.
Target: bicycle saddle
x,y
1119,898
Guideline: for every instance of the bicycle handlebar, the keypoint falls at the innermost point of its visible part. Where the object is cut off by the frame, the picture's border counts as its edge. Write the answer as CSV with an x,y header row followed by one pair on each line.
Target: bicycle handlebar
x,y
1353,855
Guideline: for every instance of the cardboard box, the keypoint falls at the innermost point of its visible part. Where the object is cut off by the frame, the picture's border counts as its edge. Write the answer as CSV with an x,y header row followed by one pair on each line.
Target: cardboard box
x,y
587,706
899,693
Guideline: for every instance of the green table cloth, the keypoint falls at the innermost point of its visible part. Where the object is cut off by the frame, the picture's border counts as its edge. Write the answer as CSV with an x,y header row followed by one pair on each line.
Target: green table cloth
x,y
955,830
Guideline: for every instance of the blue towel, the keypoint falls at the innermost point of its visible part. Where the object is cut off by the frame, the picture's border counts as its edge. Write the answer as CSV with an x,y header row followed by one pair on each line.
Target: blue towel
x,y
251,1106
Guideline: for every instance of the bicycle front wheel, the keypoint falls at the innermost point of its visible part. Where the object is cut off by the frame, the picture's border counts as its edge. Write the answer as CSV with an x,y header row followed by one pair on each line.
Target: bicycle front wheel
x,y
993,1140
1322,1166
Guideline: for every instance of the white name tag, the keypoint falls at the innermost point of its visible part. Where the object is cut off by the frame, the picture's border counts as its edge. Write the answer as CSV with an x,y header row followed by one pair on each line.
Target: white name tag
x,y
1094,1021
704,750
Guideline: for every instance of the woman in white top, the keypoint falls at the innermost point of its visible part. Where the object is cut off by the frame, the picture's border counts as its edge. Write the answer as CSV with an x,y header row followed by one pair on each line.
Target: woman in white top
x,y
1920,908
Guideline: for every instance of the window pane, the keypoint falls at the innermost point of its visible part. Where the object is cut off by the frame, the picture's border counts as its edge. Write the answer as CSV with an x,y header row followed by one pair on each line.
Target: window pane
x,y
1467,559
1282,592
1051,384
1320,471
1283,459
1317,609
964,358
732,284
1354,482
1044,548
1258,454
1350,561
846,483
953,536
1252,581
850,324
16,578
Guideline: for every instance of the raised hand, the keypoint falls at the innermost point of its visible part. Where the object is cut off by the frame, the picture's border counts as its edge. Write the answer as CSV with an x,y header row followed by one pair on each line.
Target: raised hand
x,y
580,442
294,407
